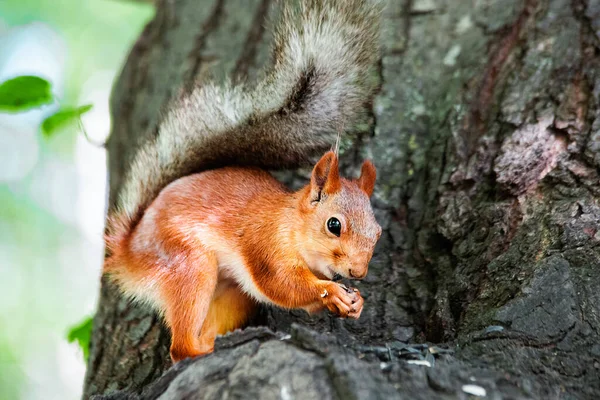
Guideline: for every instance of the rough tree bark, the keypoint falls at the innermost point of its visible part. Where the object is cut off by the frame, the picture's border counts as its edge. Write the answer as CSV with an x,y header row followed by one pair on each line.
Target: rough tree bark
x,y
486,135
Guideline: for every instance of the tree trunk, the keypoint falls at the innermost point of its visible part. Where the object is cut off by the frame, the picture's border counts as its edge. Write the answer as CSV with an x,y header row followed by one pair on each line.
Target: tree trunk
x,y
486,136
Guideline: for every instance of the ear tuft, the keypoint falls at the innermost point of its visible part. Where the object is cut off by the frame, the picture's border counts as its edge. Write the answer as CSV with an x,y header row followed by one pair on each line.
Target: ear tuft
x,y
325,178
368,175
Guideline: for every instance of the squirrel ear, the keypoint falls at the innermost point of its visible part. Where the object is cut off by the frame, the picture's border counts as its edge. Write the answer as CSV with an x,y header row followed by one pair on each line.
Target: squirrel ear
x,y
325,178
368,174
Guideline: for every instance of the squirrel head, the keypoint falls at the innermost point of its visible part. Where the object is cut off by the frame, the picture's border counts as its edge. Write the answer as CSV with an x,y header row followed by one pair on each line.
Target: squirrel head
x,y
338,231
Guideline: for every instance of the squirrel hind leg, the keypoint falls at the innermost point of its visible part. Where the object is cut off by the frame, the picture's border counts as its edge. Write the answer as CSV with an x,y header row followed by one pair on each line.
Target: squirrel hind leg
x,y
186,297
229,310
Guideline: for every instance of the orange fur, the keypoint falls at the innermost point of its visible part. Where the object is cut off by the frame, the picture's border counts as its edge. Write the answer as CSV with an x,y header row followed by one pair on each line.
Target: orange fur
x,y
213,244
368,174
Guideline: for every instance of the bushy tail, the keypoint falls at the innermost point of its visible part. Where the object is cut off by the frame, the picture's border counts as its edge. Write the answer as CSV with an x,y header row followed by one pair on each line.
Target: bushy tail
x,y
323,54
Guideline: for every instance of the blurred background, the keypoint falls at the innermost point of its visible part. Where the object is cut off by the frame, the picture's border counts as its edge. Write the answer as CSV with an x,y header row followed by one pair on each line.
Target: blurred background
x,y
53,186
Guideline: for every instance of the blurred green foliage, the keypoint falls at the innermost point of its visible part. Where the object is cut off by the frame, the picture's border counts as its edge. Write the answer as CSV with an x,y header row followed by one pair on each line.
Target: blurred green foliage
x,y
9,376
82,333
62,118
23,93
49,273
98,33
26,92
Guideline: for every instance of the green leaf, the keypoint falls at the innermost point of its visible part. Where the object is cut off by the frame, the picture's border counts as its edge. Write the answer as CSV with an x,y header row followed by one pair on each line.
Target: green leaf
x,y
23,93
82,333
62,118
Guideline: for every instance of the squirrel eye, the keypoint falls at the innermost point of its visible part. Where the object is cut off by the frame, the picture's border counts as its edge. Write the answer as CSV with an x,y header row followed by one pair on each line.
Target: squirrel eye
x,y
334,226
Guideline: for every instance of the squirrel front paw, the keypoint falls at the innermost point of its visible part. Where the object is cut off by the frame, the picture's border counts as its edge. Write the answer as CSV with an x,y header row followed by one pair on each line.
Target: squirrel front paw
x,y
342,301
357,306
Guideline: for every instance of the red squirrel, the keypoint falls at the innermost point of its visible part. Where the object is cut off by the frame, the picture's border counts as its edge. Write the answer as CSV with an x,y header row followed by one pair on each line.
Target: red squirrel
x,y
203,233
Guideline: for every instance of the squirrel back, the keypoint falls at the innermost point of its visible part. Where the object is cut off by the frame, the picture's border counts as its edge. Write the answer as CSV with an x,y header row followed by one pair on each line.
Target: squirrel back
x,y
318,83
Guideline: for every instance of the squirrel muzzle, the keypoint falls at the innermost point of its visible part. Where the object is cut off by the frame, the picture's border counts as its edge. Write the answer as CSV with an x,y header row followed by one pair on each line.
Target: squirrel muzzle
x,y
360,265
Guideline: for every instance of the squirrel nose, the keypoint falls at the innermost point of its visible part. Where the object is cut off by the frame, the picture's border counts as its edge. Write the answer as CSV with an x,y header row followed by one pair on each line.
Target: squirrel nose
x,y
360,265
357,274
